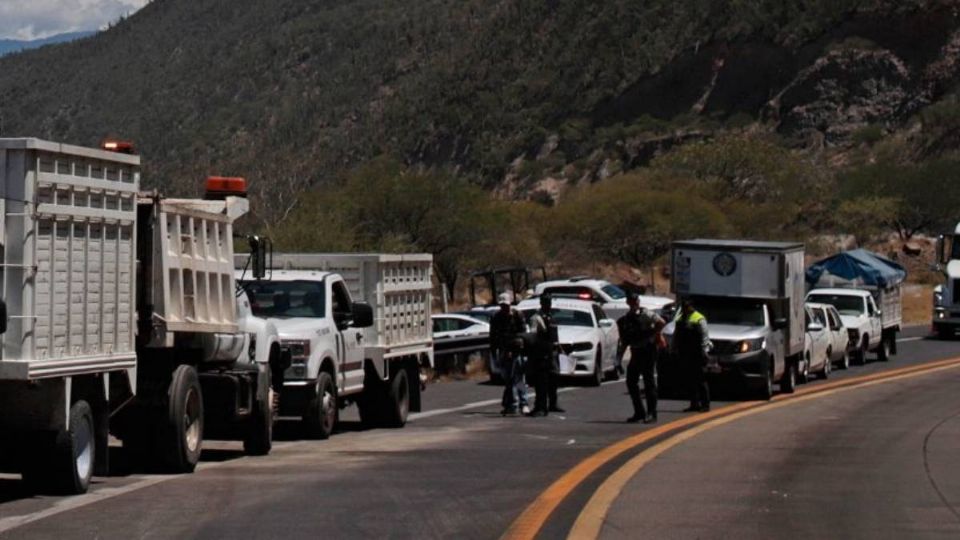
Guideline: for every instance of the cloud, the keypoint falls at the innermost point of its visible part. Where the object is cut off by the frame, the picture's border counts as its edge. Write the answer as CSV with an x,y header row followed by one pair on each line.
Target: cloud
x,y
33,19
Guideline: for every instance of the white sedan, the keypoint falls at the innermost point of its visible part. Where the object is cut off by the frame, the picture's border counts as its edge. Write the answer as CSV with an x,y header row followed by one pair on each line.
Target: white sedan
x,y
588,337
817,343
455,334
838,339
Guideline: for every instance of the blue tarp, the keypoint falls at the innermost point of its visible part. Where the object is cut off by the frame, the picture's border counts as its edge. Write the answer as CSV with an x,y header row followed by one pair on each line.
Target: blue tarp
x,y
860,266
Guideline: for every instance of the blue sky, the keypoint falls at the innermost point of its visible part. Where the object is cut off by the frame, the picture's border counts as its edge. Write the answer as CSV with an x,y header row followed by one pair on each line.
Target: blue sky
x,y
33,19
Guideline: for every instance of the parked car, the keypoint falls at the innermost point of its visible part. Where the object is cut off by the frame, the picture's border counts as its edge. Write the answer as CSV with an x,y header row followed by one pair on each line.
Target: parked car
x,y
862,318
455,325
481,314
588,337
816,345
610,297
838,342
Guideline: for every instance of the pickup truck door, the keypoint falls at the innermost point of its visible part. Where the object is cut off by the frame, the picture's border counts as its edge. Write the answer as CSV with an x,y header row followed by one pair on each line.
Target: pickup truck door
x,y
876,326
350,346
610,335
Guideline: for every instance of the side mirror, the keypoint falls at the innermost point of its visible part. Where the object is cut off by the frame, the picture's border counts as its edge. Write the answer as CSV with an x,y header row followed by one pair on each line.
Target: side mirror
x,y
362,315
779,324
259,246
814,327
3,317
605,323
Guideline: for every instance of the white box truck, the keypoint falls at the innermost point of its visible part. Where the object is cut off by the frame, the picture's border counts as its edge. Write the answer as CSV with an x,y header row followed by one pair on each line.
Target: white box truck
x,y
752,295
120,315
343,351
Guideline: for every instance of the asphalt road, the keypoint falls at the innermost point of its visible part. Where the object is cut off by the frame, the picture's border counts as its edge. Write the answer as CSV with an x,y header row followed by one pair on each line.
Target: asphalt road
x,y
460,470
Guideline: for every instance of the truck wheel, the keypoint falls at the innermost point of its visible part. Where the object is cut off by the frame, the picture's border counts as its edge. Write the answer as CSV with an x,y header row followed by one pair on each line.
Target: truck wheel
x,y
182,438
63,464
597,378
766,390
861,353
825,372
397,404
259,439
804,374
321,415
883,352
788,382
845,361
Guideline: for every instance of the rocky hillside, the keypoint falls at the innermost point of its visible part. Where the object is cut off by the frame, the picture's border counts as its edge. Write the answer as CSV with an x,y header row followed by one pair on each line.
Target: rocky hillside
x,y
523,96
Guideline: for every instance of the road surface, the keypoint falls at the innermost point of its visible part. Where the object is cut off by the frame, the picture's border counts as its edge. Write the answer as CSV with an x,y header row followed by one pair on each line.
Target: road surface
x,y
460,470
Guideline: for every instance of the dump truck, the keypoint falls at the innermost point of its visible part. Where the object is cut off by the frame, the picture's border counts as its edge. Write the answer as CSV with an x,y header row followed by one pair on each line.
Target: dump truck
x,y
358,329
120,315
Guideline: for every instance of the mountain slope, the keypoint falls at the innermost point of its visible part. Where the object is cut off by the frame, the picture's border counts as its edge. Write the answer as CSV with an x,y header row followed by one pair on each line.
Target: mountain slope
x,y
292,92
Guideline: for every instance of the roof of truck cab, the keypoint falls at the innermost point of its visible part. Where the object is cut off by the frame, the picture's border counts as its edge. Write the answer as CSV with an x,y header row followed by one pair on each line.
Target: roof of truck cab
x,y
289,275
739,245
840,292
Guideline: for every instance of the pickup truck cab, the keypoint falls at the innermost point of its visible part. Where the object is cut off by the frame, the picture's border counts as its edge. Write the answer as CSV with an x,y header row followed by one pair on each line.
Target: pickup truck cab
x,y
316,319
861,317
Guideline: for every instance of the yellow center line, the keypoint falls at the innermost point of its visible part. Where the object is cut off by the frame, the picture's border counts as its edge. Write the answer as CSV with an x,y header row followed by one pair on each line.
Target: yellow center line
x,y
528,525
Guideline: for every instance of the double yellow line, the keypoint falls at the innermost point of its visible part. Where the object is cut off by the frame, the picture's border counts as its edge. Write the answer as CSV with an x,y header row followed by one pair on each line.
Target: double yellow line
x,y
528,525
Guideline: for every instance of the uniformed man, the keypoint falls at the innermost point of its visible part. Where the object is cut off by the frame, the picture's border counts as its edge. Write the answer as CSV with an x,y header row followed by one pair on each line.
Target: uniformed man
x,y
545,364
691,343
506,343
639,331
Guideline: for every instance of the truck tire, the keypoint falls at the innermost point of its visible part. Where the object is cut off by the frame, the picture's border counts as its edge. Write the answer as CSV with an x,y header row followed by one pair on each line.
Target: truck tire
x,y
182,430
860,355
845,361
788,381
803,375
883,351
825,372
397,404
63,464
766,388
259,438
322,413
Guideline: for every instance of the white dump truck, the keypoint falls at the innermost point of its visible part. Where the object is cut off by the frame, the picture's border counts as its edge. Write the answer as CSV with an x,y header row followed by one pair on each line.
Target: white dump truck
x,y
752,296
946,297
358,330
120,315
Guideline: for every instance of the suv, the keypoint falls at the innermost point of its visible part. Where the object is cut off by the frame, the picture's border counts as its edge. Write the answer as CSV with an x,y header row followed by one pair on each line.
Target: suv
x,y
613,299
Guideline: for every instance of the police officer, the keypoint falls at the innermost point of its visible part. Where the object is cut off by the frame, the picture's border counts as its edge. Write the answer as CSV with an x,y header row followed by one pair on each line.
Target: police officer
x,y
545,364
506,327
691,343
639,330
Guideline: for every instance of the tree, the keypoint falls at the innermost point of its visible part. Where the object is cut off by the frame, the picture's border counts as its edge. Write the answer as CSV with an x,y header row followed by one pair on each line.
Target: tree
x,y
867,218
621,220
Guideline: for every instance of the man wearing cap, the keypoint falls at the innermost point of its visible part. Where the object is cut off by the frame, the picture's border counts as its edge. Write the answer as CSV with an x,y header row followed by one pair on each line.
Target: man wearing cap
x,y
506,327
543,358
639,330
691,343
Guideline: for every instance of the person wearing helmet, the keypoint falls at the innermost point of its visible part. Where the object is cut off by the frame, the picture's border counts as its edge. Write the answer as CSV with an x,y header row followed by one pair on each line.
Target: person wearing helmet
x,y
639,331
506,342
544,361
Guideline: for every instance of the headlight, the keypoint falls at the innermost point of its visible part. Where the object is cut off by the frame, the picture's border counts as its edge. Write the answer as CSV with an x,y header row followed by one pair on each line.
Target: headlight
x,y
299,349
941,314
938,298
748,345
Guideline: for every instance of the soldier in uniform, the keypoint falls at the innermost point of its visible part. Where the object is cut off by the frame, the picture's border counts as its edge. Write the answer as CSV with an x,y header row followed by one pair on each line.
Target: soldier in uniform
x,y
506,327
639,331
544,362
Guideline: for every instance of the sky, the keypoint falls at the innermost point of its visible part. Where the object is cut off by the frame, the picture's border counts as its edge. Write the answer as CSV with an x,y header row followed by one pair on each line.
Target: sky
x,y
34,19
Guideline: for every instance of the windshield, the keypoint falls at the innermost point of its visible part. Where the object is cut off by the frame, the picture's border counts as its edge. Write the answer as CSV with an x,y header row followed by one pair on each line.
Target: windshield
x,y
566,317
286,299
845,304
614,292
733,311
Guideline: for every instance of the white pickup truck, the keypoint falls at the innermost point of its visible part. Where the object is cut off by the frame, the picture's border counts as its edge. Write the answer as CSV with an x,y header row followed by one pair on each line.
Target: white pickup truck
x,y
866,290
358,329
119,314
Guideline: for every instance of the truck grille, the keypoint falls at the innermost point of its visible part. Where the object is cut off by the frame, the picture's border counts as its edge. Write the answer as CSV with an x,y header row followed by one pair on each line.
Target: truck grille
x,y
724,347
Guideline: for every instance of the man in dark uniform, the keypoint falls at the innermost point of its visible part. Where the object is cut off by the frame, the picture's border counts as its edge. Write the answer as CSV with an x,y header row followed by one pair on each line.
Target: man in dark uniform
x,y
506,327
691,343
544,361
639,330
